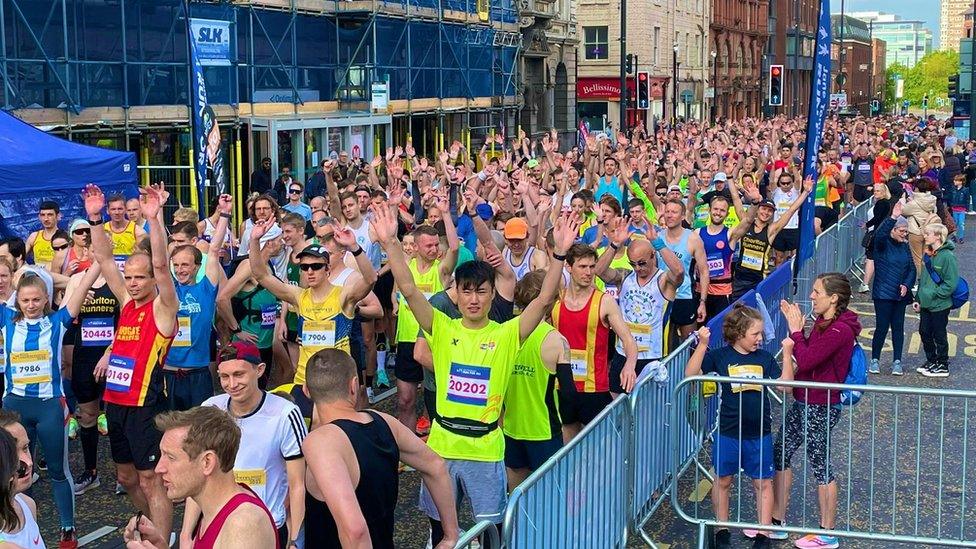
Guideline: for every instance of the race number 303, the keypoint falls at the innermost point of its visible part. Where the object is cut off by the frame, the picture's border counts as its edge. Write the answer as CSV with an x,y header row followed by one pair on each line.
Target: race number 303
x,y
468,384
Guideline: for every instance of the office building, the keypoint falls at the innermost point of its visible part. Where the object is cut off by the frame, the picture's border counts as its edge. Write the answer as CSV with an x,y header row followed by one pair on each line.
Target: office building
x,y
906,41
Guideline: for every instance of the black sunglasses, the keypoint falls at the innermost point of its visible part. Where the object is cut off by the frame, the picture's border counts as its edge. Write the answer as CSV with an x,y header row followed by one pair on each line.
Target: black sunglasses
x,y
638,264
60,248
312,266
294,191
80,232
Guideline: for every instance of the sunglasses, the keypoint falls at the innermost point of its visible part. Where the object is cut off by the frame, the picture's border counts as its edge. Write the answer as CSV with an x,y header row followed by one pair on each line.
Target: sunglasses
x,y
662,195
312,266
294,191
60,248
638,264
785,183
80,232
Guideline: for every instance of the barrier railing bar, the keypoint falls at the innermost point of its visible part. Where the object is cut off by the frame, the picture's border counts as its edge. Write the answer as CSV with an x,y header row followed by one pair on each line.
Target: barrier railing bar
x,y
485,527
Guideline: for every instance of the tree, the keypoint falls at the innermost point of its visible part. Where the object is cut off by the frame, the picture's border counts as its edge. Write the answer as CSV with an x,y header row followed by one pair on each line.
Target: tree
x,y
891,72
930,76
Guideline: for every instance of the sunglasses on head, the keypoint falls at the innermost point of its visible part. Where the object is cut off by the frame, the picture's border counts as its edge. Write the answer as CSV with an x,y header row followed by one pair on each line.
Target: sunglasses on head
x,y
312,266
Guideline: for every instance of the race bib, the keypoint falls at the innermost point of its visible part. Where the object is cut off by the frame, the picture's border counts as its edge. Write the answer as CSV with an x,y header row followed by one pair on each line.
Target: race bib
x,y
255,478
468,384
269,314
120,262
748,371
3,354
28,367
578,362
716,265
182,338
752,259
118,377
642,336
318,333
612,291
97,332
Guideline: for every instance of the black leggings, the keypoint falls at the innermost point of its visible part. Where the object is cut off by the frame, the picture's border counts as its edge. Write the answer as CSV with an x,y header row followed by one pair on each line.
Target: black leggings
x,y
808,424
890,314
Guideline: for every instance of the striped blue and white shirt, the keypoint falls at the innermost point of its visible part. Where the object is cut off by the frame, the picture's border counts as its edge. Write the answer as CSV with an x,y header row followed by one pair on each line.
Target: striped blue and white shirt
x,y
33,353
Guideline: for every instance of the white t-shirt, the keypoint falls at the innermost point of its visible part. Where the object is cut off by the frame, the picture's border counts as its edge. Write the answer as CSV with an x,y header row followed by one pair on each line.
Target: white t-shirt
x,y
783,201
270,436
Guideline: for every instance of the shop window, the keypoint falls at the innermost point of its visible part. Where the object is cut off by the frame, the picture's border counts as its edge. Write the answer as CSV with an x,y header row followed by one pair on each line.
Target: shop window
x,y
595,39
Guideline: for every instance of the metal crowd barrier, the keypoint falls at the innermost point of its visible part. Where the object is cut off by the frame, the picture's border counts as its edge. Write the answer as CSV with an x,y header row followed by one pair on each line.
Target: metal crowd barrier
x,y
579,497
886,455
473,537
616,473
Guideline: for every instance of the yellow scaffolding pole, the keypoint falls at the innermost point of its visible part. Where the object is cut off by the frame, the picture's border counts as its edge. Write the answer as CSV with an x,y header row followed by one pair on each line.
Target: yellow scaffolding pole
x,y
239,176
178,179
491,135
144,160
193,183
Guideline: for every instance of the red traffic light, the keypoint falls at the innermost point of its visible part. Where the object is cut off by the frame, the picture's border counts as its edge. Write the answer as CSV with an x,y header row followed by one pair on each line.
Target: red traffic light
x,y
642,76
775,70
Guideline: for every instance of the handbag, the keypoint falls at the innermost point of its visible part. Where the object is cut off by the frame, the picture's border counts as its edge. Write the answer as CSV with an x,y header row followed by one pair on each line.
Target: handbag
x,y
867,241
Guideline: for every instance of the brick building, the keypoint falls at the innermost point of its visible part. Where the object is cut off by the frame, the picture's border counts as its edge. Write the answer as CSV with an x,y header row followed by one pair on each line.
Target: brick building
x,y
792,45
738,36
851,55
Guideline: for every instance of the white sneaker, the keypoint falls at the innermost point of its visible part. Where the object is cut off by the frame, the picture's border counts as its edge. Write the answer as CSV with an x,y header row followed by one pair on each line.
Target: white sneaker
x,y
863,288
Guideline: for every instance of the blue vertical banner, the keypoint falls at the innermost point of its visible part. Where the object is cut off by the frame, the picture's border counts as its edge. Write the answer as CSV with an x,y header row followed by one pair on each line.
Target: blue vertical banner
x,y
209,45
816,117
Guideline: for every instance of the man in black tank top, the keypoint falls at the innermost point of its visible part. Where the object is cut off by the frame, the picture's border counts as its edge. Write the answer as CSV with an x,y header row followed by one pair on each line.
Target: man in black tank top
x,y
354,456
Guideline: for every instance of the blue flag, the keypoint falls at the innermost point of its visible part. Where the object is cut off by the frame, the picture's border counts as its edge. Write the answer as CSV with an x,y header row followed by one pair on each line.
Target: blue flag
x,y
206,132
819,100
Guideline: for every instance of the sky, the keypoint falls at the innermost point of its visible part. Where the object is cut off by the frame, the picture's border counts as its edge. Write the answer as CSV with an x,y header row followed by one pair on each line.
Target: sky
x,y
925,10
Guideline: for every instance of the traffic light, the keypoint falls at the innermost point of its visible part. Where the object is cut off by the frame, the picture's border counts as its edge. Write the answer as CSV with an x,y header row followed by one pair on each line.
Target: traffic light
x,y
630,63
776,85
953,86
925,101
643,91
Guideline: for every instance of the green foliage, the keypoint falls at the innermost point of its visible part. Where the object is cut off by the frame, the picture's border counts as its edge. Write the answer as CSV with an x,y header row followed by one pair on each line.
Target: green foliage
x,y
930,76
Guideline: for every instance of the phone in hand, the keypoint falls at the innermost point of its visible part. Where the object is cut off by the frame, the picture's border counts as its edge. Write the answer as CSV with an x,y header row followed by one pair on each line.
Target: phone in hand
x,y
136,534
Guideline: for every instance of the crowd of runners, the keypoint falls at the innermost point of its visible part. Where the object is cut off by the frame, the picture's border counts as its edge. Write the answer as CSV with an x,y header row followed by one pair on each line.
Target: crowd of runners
x,y
509,294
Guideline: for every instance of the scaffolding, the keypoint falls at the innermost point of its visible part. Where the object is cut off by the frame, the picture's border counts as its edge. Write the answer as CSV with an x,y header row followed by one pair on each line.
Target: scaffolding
x,y
438,56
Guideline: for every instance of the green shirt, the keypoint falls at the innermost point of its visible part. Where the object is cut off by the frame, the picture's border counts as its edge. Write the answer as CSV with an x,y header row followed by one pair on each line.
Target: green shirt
x,y
472,369
531,403
261,311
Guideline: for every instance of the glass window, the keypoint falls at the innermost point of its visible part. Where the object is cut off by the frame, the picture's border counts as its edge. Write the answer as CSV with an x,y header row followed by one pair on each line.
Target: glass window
x,y
595,39
595,114
657,41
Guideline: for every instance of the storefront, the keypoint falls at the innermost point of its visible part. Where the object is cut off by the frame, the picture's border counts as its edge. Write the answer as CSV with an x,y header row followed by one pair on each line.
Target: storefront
x,y
598,101
302,144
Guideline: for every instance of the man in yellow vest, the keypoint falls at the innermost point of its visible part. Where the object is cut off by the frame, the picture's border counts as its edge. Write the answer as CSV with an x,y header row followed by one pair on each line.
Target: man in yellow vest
x,y
473,361
39,242
123,232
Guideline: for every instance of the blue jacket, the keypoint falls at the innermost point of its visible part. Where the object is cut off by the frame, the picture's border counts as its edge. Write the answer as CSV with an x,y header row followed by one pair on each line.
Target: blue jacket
x,y
893,265
958,197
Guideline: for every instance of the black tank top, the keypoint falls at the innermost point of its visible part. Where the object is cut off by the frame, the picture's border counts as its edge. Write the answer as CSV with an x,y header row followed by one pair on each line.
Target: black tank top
x,y
95,326
752,263
378,456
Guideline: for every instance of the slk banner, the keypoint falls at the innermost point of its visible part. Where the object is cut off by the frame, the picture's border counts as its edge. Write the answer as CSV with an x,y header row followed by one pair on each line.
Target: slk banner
x,y
819,100
206,132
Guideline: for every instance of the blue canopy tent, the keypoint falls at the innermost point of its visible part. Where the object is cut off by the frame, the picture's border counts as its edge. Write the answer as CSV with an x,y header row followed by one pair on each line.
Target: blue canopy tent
x,y
36,166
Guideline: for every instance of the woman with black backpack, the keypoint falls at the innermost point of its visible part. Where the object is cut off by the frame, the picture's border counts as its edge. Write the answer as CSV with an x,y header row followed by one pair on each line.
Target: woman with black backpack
x,y
938,279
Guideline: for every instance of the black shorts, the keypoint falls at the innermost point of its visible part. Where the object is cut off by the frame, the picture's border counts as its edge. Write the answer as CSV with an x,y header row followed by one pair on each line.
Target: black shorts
x,y
530,454
133,436
430,402
83,383
584,407
384,290
862,192
683,312
715,304
407,369
617,366
787,240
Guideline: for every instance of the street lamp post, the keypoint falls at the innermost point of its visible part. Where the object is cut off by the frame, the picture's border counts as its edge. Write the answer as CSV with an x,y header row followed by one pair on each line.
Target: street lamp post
x,y
714,85
674,90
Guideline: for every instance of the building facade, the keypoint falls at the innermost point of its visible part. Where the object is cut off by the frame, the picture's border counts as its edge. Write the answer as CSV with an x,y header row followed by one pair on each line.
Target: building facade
x,y
792,45
852,56
879,71
661,34
739,33
296,86
906,41
548,67
951,23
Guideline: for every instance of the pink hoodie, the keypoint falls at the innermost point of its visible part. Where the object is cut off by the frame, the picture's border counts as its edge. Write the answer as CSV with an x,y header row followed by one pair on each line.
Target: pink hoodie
x,y
825,356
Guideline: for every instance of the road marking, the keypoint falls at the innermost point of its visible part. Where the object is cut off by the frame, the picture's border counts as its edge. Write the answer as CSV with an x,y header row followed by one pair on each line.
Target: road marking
x,y
100,533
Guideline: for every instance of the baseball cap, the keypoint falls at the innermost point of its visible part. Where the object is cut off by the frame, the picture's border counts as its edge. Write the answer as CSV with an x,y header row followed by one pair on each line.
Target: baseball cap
x,y
314,251
79,224
241,350
675,189
720,176
532,163
516,228
767,203
273,232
